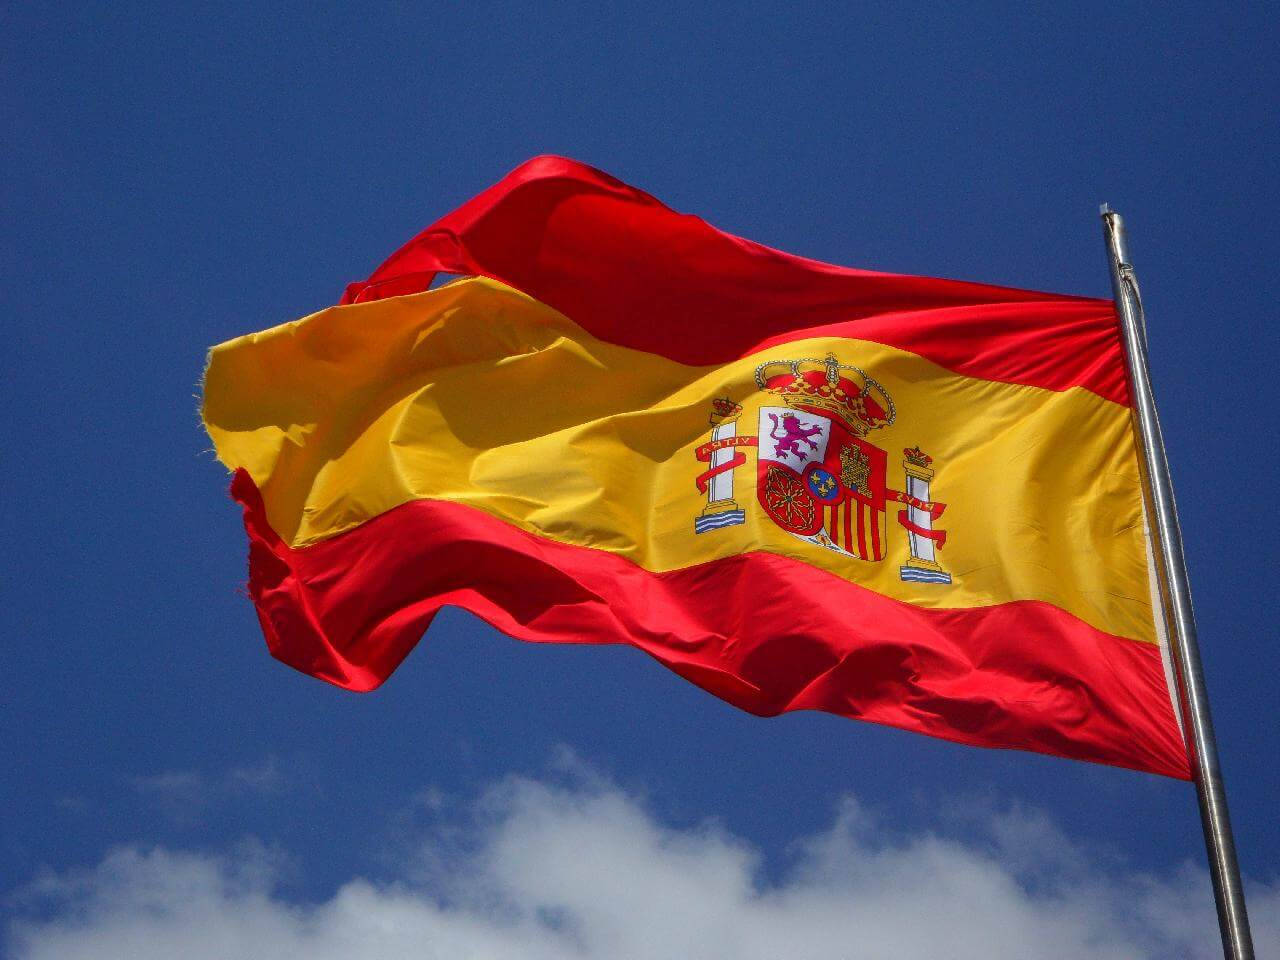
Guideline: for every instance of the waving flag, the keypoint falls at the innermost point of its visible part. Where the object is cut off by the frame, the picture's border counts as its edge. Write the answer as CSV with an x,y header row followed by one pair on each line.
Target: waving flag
x,y
900,499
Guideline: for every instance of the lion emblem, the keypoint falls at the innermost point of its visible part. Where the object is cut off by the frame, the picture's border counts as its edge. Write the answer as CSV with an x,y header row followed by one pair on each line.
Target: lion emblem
x,y
793,434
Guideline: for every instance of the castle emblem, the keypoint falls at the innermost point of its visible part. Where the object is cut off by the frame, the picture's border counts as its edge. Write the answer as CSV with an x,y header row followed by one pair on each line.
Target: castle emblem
x,y
817,475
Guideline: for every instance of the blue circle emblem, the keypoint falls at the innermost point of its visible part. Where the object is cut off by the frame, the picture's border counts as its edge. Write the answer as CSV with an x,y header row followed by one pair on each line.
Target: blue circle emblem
x,y
823,485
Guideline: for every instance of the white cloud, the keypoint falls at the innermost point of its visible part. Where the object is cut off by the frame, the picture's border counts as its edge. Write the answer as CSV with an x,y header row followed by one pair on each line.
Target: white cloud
x,y
179,784
548,870
265,777
184,795
181,795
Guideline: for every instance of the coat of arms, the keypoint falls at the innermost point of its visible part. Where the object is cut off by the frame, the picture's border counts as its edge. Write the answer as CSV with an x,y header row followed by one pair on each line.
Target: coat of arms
x,y
817,476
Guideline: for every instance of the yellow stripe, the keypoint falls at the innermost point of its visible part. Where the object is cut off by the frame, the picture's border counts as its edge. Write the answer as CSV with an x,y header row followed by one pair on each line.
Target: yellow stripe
x,y
478,394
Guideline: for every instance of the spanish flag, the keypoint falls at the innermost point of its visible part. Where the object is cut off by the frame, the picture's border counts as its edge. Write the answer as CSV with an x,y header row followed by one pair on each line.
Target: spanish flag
x,y
899,499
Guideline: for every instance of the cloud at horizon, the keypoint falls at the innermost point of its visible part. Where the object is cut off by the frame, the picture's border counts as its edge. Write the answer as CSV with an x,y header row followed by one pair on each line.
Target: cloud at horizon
x,y
570,865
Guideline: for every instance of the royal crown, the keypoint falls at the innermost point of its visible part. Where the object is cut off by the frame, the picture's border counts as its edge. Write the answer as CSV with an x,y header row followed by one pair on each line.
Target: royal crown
x,y
722,409
855,398
917,456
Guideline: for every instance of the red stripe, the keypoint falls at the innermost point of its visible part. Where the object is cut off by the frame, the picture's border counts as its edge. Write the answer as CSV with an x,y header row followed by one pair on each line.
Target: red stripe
x,y
633,272
873,519
1022,675
862,530
849,507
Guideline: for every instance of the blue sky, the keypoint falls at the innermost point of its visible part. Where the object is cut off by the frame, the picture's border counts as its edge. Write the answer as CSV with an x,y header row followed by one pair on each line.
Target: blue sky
x,y
176,177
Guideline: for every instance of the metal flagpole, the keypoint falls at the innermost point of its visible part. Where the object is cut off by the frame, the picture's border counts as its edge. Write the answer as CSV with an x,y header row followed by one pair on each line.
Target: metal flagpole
x,y
1175,596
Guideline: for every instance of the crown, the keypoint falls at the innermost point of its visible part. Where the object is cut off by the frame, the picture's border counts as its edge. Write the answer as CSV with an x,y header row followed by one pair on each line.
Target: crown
x,y
861,403
917,456
722,408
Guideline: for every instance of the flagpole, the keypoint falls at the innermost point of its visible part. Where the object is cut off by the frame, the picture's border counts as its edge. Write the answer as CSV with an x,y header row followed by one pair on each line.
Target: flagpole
x,y
1175,596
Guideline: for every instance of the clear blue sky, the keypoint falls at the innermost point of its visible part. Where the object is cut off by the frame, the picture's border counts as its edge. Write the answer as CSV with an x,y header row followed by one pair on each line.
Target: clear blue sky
x,y
175,177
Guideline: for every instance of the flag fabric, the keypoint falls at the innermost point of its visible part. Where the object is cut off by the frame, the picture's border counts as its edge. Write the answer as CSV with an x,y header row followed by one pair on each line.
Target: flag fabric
x,y
900,499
